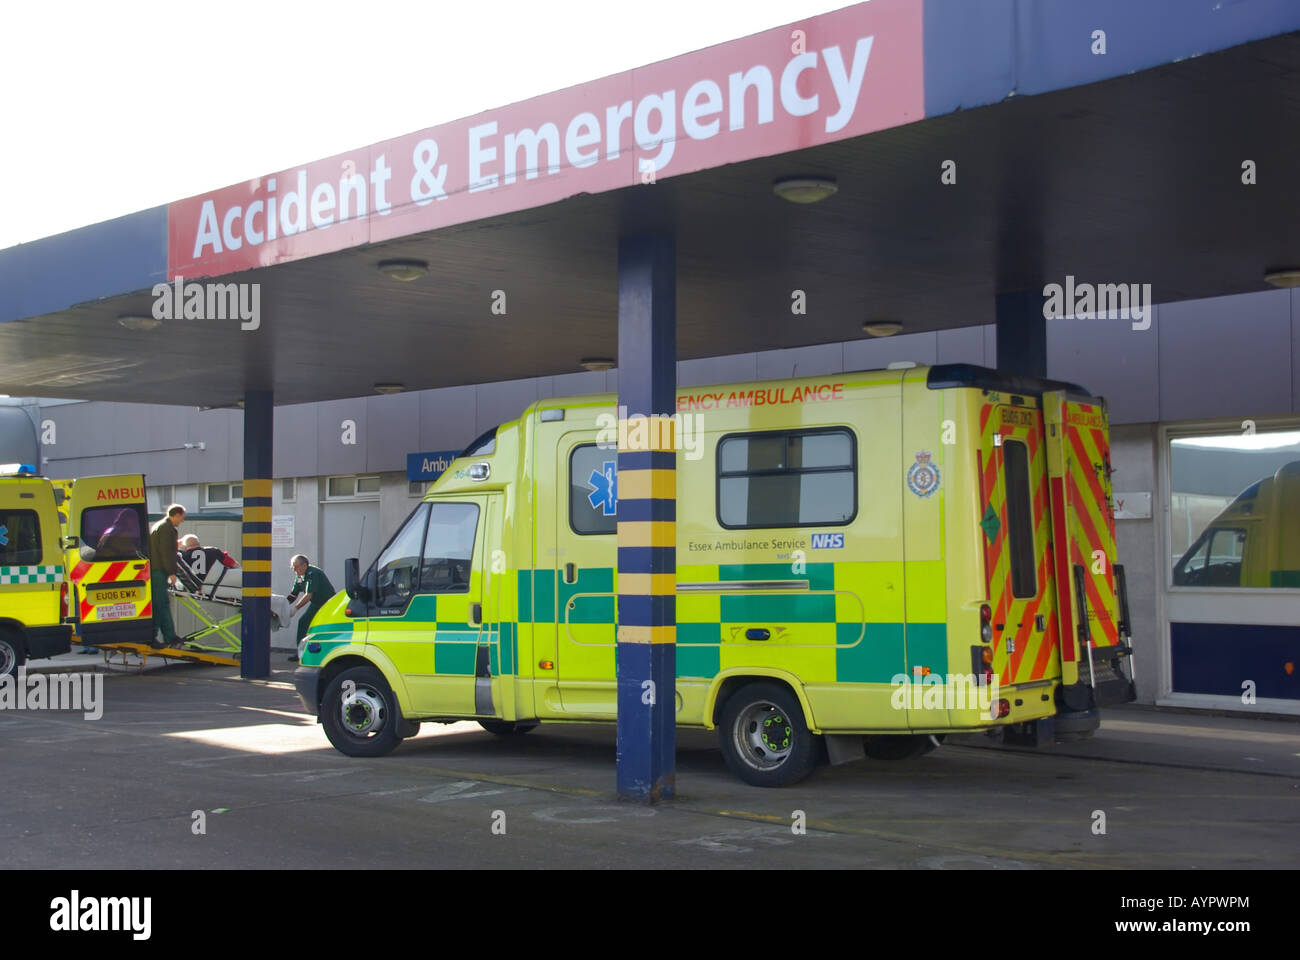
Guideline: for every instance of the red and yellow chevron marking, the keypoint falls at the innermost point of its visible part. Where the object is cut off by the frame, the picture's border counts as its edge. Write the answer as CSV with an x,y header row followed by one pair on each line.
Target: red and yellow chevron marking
x,y
1092,517
1028,655
86,574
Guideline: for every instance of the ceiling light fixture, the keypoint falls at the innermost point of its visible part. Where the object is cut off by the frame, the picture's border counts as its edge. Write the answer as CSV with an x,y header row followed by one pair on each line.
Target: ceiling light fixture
x,y
137,322
596,364
885,328
389,388
804,189
403,270
1283,278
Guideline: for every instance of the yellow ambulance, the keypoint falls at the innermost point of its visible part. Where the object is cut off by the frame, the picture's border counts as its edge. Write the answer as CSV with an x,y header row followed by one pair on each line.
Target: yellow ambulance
x,y
864,561
106,535
33,590
1254,542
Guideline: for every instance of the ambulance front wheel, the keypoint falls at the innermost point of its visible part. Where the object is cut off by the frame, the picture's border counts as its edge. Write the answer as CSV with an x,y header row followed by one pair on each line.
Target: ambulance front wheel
x,y
12,653
360,714
764,738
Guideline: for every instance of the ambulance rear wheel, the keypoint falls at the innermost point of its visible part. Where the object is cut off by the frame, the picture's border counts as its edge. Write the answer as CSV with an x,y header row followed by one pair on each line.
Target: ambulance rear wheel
x,y
506,728
12,653
764,738
360,714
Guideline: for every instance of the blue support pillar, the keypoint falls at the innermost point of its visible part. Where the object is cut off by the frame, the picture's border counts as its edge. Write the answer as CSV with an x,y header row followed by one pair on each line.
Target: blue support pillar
x,y
646,652
1022,333
255,631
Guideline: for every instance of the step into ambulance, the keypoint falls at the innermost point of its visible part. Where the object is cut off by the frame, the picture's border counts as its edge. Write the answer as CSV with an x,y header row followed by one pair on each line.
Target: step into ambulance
x,y
106,536
33,589
872,559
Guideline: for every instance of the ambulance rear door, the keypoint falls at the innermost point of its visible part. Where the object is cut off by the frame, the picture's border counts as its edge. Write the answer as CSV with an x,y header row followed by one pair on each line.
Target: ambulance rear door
x,y
1015,532
108,559
1083,529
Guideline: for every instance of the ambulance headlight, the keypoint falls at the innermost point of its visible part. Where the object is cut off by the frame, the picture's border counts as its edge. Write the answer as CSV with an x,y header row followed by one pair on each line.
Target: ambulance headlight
x,y
302,648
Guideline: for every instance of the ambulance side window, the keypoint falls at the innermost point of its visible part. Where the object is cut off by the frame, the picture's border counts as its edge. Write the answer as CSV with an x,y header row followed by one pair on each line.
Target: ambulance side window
x,y
449,548
788,479
593,490
20,538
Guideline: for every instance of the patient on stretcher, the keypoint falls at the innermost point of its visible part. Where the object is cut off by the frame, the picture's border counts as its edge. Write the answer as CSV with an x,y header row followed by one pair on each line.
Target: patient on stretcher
x,y
197,562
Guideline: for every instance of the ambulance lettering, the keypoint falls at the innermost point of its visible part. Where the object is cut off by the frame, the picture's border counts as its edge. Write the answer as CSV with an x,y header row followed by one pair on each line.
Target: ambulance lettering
x,y
827,541
120,493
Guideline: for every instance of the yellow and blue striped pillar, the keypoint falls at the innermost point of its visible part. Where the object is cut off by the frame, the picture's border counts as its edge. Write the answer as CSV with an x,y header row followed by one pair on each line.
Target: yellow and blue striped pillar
x,y
646,649
255,631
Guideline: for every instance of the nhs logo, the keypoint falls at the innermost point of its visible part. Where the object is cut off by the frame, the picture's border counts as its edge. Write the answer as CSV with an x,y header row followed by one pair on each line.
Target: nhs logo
x,y
827,541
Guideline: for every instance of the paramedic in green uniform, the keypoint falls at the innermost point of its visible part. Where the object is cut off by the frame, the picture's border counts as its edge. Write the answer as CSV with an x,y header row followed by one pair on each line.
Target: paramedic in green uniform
x,y
162,572
312,589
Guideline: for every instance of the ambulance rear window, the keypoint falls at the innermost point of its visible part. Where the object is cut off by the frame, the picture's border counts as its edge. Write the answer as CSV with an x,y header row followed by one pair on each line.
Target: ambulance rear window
x,y
112,533
787,479
20,538
1020,520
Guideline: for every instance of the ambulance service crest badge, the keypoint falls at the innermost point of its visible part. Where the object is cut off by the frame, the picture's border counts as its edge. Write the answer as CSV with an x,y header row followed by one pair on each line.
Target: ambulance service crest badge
x,y
923,476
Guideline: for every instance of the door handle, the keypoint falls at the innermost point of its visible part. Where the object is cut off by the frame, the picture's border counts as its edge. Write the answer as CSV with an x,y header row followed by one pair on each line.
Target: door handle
x,y
570,573
757,633
476,611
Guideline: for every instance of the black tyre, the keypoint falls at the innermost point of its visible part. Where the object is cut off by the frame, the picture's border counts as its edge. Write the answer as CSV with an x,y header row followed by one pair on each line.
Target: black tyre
x,y
764,737
13,653
894,747
368,723
506,728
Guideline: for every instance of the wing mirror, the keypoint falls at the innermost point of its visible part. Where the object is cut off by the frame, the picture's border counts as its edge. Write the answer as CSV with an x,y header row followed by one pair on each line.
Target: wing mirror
x,y
352,581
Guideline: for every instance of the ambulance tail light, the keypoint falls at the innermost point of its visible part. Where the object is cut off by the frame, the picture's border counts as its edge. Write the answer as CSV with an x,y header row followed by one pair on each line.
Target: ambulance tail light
x,y
63,600
986,623
981,660
1003,709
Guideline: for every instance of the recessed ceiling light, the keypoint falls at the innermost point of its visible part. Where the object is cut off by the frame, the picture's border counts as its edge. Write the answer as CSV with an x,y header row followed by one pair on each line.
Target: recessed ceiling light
x,y
1283,278
804,189
137,322
389,388
885,328
595,364
403,270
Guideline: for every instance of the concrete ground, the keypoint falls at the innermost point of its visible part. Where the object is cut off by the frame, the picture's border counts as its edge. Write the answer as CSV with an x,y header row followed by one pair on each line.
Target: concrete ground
x,y
184,746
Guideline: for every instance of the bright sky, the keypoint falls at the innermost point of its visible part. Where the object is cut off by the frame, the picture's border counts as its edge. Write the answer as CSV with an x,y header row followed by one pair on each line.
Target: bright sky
x,y
109,108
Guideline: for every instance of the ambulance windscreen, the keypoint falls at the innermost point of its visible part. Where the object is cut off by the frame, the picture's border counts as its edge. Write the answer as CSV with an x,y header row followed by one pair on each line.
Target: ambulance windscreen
x,y
482,446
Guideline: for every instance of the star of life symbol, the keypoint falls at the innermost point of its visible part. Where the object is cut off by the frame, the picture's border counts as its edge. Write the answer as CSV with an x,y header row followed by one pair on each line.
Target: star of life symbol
x,y
4,536
923,476
604,488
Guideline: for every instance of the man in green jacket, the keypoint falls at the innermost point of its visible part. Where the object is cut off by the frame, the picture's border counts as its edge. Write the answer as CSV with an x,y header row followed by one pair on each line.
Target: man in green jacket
x,y
312,589
162,571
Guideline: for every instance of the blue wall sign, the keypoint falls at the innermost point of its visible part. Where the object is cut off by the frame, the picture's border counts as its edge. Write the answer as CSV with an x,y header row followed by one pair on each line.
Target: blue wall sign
x,y
423,467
